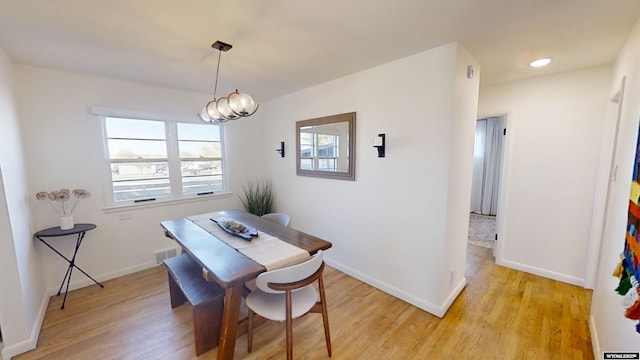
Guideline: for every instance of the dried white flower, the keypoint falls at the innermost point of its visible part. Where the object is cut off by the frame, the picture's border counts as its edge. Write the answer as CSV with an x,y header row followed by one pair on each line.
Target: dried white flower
x,y
42,195
81,194
61,196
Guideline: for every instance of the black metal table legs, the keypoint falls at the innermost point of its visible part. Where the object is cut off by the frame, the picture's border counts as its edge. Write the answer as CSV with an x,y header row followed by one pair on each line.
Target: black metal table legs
x,y
72,264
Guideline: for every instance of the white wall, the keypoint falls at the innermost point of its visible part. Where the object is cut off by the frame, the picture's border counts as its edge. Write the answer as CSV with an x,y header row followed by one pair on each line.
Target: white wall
x,y
610,330
63,148
465,112
552,150
22,291
389,226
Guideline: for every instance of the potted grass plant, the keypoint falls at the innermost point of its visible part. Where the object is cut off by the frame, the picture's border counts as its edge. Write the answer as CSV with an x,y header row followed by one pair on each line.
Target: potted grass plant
x,y
258,197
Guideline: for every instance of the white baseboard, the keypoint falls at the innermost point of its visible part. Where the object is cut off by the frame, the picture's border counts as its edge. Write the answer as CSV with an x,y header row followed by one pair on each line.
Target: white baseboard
x,y
16,349
542,272
7,352
595,341
437,310
453,295
84,281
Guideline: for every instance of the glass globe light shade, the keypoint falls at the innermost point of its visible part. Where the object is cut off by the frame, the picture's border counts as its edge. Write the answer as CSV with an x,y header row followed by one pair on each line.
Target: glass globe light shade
x,y
223,107
204,116
212,111
241,104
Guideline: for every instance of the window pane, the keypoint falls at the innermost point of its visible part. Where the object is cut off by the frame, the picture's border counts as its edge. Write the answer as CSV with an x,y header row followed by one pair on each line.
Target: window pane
x,y
305,152
140,189
324,139
326,145
307,145
306,164
199,149
327,164
198,132
139,170
135,129
137,149
202,184
306,138
197,168
326,150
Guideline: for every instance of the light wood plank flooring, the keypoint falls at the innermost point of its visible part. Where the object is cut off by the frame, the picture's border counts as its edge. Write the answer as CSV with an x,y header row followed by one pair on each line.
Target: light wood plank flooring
x,y
501,314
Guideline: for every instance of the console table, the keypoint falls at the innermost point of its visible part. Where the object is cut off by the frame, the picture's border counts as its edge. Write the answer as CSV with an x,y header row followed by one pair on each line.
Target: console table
x,y
80,230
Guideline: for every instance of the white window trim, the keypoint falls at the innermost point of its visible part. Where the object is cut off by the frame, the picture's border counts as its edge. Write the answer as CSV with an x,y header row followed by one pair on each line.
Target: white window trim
x,y
158,203
107,189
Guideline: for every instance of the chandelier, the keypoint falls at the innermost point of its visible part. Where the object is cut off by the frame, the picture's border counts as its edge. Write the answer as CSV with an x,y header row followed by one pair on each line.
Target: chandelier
x,y
232,107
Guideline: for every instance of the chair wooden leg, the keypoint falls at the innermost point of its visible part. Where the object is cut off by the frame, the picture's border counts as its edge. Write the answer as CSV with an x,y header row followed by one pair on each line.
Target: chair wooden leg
x,y
250,330
325,315
289,327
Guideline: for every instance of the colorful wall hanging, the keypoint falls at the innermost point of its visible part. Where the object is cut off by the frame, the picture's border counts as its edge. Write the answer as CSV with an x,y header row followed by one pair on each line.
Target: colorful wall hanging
x,y
628,269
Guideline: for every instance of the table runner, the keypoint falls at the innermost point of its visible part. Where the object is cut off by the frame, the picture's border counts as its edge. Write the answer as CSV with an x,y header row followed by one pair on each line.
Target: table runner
x,y
265,249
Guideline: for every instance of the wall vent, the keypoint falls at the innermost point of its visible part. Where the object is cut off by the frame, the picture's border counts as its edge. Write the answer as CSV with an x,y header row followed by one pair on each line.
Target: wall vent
x,y
161,255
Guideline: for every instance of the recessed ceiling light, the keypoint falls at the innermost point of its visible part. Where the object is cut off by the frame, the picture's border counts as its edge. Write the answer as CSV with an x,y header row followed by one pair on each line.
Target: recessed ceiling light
x,y
540,62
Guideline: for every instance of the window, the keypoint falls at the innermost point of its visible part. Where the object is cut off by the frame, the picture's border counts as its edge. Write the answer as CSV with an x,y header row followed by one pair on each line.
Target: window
x,y
153,160
318,151
200,158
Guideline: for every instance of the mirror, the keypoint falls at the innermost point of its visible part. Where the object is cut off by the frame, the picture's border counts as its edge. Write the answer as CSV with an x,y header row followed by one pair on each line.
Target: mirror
x,y
325,147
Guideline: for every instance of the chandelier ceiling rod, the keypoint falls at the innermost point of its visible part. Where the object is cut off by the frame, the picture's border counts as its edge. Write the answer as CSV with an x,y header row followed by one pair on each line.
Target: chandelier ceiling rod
x,y
220,46
215,86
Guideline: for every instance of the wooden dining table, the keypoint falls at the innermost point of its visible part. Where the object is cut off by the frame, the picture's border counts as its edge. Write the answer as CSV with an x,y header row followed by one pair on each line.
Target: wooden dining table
x,y
228,267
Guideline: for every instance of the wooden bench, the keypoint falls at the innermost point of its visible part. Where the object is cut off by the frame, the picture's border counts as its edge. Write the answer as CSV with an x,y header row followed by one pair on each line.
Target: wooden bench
x,y
186,283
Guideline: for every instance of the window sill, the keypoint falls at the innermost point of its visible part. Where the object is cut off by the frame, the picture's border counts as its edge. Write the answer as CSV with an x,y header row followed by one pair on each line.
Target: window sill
x,y
158,203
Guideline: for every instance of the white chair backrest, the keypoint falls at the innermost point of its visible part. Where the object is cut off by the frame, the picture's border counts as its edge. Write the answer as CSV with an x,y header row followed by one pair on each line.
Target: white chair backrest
x,y
289,274
280,218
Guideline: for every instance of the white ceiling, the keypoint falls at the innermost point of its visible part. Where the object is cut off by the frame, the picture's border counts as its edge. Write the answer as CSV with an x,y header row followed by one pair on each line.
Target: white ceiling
x,y
280,46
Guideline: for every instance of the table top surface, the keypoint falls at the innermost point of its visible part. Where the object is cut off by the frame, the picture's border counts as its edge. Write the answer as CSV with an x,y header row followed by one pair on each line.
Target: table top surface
x,y
56,231
228,266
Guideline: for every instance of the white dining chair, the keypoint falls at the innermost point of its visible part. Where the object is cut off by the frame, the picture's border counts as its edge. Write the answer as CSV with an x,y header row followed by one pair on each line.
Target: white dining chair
x,y
280,218
287,293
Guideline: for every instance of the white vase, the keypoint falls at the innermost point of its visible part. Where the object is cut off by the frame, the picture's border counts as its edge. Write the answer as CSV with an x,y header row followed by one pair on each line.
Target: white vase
x,y
66,222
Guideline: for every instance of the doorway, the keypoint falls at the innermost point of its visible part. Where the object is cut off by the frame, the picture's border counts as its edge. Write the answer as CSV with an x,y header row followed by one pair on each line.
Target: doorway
x,y
485,188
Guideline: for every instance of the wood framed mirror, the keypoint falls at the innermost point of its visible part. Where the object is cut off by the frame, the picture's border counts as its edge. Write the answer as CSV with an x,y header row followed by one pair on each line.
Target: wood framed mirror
x,y
325,147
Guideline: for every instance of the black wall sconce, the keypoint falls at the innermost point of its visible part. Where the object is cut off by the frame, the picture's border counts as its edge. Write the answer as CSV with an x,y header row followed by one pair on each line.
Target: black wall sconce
x,y
379,143
281,150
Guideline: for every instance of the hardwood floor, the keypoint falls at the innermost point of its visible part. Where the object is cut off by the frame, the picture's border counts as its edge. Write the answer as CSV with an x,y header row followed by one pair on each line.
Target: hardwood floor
x,y
501,314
